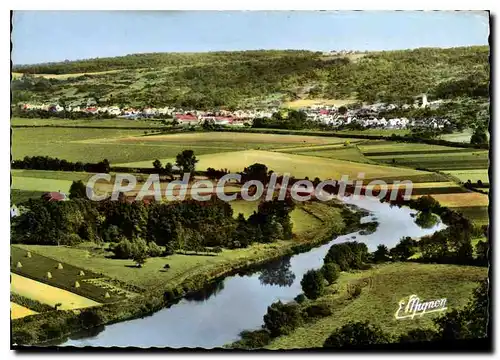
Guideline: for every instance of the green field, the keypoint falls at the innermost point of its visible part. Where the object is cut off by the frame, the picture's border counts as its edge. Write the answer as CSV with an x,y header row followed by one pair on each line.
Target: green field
x,y
472,175
19,196
348,153
112,123
37,266
385,286
39,184
478,214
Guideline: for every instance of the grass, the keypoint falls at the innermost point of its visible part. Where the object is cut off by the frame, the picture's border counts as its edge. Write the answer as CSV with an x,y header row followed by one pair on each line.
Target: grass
x,y
49,295
438,161
18,311
37,266
49,174
472,175
152,276
113,123
378,302
349,153
463,136
66,76
20,196
37,184
380,147
299,166
469,199
478,214
296,104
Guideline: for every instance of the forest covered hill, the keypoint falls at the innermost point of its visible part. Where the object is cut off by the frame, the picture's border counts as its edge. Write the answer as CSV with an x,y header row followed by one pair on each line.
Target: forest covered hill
x,y
256,78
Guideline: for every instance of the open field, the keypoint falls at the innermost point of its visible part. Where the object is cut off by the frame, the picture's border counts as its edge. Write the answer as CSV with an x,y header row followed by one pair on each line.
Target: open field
x,y
386,285
125,146
49,295
112,123
16,75
19,196
18,311
462,200
38,266
38,184
152,275
298,165
384,147
463,136
477,214
472,175
296,104
348,153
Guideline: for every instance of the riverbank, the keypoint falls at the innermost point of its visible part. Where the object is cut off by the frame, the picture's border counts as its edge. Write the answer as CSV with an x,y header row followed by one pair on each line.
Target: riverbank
x,y
44,327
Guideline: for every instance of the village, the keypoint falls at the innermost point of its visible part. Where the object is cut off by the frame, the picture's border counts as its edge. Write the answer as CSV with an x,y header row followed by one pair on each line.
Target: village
x,y
365,116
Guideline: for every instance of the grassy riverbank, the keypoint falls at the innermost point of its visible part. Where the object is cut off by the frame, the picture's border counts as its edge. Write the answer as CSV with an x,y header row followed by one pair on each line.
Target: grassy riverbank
x,y
383,287
188,273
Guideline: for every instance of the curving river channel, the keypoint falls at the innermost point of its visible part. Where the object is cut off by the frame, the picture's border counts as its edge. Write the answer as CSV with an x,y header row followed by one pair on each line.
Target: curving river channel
x,y
216,316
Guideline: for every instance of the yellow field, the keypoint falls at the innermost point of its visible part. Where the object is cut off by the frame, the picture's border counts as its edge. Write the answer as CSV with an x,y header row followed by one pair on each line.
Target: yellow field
x,y
65,76
241,138
18,311
472,175
461,199
299,166
47,294
310,102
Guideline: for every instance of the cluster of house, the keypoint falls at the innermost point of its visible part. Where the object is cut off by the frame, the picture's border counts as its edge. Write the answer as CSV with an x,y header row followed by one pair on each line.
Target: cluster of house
x,y
364,116
367,116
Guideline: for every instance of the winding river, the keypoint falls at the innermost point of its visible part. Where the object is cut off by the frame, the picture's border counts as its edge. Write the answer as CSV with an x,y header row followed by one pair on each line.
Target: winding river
x,y
216,316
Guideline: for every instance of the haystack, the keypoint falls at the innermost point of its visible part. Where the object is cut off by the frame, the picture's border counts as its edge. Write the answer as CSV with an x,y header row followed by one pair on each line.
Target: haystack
x,y
77,284
81,273
19,265
59,266
28,254
49,275
107,295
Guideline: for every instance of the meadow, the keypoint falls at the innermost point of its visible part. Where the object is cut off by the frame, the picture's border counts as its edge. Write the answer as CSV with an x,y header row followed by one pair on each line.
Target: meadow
x,y
36,267
17,311
111,123
47,294
384,286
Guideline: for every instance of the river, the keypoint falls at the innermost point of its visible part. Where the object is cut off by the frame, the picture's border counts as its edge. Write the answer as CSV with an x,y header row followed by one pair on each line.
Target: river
x,y
216,316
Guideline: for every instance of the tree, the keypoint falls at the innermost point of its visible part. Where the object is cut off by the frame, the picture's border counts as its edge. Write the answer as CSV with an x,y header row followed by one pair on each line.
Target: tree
x,y
356,334
381,254
470,322
77,190
482,251
404,249
186,161
479,136
331,272
256,171
169,170
282,318
313,284
418,335
157,166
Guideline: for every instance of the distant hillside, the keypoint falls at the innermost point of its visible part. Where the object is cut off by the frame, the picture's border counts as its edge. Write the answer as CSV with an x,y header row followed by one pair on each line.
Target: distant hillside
x,y
248,78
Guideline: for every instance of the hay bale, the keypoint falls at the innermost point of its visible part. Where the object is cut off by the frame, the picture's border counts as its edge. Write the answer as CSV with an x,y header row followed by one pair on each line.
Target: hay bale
x,y
81,273
107,296
77,284
28,254
59,266
19,265
49,275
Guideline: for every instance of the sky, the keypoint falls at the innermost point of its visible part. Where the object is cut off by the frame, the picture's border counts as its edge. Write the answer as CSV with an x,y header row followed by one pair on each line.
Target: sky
x,y
44,36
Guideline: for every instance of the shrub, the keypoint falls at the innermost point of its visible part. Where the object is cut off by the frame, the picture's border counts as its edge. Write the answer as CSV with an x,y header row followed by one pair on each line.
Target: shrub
x,y
356,334
299,299
318,311
154,250
331,272
354,291
313,284
253,339
281,319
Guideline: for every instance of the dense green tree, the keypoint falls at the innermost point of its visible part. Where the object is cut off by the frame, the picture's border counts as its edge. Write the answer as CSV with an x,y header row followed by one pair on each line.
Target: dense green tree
x,y
281,319
313,284
186,161
77,190
331,272
404,249
381,254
